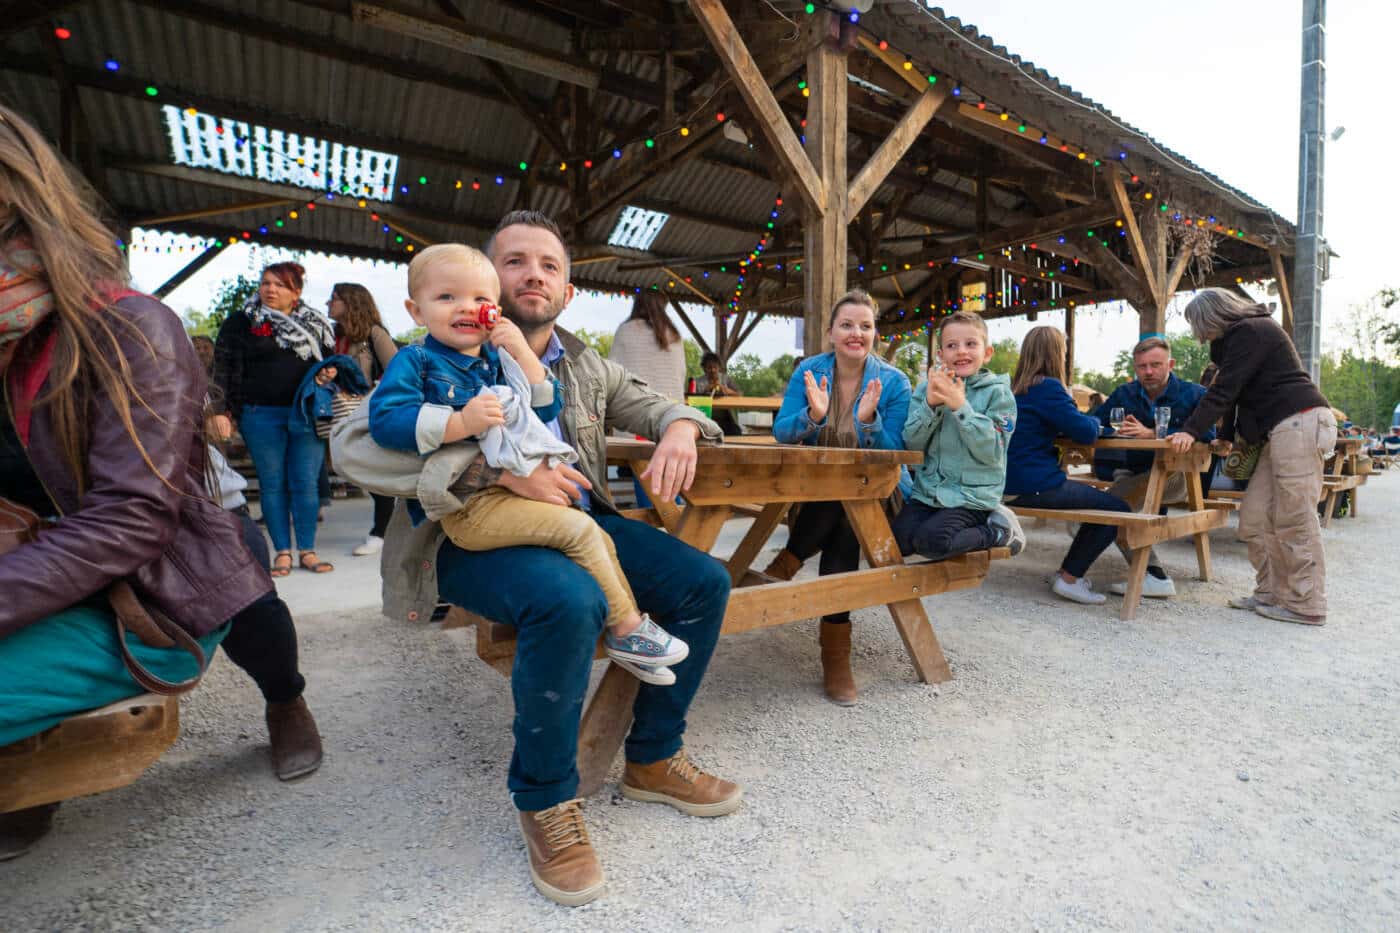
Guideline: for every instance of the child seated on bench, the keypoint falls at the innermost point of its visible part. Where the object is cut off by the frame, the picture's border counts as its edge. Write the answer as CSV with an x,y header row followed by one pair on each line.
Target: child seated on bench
x,y
961,418
475,377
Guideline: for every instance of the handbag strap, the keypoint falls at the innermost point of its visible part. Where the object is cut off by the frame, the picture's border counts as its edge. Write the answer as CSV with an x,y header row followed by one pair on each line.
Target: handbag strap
x,y
155,630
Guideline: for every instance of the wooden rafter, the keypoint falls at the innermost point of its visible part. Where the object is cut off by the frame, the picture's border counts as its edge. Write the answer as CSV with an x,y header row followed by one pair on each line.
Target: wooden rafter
x,y
690,325
189,269
760,100
1285,294
896,144
151,220
547,128
1145,260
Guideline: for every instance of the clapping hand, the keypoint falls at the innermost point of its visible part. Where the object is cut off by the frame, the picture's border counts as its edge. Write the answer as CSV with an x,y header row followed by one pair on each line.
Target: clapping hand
x,y
818,400
869,402
945,389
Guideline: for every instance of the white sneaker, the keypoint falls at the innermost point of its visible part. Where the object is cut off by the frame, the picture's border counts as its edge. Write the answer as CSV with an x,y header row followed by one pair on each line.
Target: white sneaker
x,y
1005,521
1080,591
371,545
1152,587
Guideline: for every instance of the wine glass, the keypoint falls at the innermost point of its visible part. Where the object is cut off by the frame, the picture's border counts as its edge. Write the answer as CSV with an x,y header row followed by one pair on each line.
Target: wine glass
x,y
1115,419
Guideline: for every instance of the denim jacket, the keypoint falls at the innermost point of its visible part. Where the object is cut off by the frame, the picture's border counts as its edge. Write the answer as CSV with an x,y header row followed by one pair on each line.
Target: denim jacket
x,y
424,385
793,424
314,402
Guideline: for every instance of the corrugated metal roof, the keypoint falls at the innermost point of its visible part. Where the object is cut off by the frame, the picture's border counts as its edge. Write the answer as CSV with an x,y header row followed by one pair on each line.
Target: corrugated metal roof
x,y
304,65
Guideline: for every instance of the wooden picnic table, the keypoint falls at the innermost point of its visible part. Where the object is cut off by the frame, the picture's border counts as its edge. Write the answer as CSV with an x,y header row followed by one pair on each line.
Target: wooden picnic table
x,y
767,480
745,403
1142,529
1342,474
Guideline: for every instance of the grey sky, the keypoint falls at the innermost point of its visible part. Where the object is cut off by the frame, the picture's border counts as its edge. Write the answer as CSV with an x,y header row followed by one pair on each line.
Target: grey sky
x,y
1216,81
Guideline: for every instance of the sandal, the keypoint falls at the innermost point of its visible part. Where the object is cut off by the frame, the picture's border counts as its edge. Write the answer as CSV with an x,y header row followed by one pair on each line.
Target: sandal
x,y
280,569
309,561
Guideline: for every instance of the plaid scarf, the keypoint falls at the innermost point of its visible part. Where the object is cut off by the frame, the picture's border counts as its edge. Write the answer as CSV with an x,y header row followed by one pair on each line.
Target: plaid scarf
x,y
25,297
269,323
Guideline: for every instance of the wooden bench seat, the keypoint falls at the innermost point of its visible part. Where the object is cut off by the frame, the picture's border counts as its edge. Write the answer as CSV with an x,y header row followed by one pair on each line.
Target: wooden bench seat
x,y
89,753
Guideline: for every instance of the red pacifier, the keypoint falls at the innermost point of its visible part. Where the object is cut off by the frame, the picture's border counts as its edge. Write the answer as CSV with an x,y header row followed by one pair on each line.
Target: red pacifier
x,y
487,314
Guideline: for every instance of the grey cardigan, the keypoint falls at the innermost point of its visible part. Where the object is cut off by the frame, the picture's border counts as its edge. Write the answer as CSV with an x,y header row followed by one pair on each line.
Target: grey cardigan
x,y
599,395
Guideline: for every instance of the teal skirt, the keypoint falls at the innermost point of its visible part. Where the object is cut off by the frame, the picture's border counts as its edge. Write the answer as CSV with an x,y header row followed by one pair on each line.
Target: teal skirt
x,y
70,663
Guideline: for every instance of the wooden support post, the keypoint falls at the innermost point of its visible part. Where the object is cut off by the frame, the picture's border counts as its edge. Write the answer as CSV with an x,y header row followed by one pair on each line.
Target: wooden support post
x,y
1285,294
1069,344
824,233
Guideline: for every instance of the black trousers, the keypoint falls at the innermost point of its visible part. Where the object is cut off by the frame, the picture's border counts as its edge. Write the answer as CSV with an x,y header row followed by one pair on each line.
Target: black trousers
x,y
383,511
263,639
942,533
823,526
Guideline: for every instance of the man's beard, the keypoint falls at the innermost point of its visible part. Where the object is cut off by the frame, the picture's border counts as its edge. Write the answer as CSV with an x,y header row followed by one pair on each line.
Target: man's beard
x,y
531,322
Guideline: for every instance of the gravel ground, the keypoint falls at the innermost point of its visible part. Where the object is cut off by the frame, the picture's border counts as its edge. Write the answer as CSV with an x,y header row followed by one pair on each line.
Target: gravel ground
x,y
1197,768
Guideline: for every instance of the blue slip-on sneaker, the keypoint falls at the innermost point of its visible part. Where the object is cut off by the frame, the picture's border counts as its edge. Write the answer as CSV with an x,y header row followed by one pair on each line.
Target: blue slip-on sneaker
x,y
649,645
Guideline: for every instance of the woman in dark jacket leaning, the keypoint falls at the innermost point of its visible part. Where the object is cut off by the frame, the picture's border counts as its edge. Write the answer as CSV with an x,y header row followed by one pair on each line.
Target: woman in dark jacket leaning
x,y
1277,405
100,428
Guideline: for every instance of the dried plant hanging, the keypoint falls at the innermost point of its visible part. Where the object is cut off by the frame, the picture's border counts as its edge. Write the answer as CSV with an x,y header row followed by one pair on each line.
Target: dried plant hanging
x,y
1200,243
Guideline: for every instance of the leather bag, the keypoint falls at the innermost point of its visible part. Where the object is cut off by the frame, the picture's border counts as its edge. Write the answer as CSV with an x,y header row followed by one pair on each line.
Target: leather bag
x,y
20,526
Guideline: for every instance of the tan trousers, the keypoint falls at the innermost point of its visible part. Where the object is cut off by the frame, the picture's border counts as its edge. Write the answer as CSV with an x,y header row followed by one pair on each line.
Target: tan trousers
x,y
1278,517
1132,488
495,518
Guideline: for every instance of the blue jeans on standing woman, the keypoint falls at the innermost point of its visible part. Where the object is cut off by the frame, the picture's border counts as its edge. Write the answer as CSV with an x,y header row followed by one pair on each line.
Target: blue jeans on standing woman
x,y
558,612
1091,540
288,462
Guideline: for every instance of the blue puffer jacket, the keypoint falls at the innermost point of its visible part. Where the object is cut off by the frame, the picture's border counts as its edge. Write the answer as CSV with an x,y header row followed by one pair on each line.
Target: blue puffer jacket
x,y
793,424
312,403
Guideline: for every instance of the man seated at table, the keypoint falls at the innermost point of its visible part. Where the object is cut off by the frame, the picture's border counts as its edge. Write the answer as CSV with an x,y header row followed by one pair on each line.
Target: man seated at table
x,y
1155,386
717,385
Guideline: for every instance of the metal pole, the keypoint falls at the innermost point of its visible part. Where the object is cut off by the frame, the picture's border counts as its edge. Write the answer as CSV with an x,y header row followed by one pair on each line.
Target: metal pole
x,y
1308,259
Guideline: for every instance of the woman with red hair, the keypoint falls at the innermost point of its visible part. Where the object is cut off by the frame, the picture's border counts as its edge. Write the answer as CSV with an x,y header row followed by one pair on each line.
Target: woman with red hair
x,y
262,353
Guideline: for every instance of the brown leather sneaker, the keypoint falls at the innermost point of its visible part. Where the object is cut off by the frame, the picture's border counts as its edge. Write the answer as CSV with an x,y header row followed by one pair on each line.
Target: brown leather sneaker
x,y
678,782
296,743
563,863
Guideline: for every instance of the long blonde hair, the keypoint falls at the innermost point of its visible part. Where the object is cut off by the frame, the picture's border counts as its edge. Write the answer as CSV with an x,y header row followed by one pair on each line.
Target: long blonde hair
x,y
1042,357
44,200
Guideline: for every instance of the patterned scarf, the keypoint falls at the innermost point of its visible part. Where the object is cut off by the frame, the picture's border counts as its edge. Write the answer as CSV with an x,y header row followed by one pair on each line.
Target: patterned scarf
x,y
269,323
25,297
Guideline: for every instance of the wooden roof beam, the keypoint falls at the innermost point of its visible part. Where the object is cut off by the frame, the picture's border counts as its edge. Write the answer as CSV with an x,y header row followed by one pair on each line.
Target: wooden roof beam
x,y
739,63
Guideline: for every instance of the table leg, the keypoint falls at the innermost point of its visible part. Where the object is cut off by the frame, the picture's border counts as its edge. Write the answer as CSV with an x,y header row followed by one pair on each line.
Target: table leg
x,y
758,534
1137,569
609,713
867,517
604,727
1195,501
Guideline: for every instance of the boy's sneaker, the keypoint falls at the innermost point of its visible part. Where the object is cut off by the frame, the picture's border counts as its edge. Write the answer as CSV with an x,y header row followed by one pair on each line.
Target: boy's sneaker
x,y
648,645
1080,591
647,673
1152,587
1009,531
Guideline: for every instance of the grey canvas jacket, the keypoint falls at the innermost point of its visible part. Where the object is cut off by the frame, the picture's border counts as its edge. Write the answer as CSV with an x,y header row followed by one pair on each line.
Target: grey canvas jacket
x,y
599,396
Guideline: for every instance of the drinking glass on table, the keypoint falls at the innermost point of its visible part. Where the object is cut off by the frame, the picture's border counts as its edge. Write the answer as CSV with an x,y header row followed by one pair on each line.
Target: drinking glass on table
x,y
1162,418
1115,419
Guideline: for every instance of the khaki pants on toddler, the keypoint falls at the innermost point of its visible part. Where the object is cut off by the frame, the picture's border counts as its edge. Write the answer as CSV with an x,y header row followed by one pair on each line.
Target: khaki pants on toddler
x,y
497,518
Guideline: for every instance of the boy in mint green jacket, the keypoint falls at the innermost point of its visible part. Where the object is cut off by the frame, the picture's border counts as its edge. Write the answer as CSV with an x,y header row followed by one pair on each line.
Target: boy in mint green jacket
x,y
961,418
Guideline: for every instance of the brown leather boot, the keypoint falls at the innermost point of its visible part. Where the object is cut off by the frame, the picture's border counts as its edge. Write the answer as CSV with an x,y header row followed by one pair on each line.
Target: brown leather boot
x,y
784,566
296,744
22,829
678,782
563,863
837,678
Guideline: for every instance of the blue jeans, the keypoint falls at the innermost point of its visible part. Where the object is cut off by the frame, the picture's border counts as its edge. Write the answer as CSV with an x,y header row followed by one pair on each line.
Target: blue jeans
x,y
288,462
558,612
1092,540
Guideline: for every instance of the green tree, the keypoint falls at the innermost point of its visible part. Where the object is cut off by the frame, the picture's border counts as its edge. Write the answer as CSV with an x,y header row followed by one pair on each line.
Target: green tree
x,y
596,339
1007,354
755,377
412,335
230,297
1100,382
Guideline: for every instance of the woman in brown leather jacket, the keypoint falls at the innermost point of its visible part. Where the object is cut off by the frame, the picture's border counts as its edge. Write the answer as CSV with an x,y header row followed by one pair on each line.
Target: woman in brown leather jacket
x,y
100,428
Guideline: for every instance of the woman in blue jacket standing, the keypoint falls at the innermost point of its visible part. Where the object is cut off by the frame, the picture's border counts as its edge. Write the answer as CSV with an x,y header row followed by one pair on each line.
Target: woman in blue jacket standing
x,y
848,397
1045,410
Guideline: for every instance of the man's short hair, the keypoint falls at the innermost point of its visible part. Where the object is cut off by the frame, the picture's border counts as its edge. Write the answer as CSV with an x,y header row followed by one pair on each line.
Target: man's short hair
x,y
968,318
530,219
1151,343
440,254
